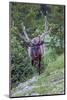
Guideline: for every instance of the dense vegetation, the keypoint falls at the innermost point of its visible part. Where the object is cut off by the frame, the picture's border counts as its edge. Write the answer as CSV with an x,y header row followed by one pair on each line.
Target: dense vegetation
x,y
33,17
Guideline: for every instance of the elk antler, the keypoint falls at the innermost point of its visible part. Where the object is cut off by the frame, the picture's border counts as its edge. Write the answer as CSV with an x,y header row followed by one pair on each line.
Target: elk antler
x,y
25,33
46,31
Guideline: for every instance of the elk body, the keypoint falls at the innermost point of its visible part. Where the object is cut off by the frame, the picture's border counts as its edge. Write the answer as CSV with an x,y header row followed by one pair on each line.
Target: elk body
x,y
35,51
35,48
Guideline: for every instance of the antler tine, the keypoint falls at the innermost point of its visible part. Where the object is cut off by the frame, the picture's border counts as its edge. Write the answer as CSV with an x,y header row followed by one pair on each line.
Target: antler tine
x,y
23,27
25,33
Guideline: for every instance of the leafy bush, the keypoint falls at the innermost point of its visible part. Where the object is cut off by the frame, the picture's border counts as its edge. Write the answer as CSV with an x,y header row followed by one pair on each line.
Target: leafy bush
x,y
21,68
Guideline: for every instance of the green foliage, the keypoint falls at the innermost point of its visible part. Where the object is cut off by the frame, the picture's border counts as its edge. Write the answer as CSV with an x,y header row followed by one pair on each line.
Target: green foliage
x,y
21,68
55,65
50,56
49,82
57,33
57,38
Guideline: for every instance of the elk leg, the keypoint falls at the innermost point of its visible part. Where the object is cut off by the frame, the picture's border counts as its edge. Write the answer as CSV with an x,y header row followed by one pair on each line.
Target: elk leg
x,y
39,65
32,62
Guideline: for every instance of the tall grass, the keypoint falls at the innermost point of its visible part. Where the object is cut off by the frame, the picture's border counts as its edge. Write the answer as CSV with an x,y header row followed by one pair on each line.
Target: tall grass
x,y
50,56
56,65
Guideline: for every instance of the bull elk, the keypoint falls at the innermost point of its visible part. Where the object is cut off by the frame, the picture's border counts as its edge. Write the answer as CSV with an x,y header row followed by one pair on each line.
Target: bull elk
x,y
35,46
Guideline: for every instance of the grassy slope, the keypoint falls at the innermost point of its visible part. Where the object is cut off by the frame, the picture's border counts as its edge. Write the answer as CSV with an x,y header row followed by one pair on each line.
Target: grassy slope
x,y
49,82
52,80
